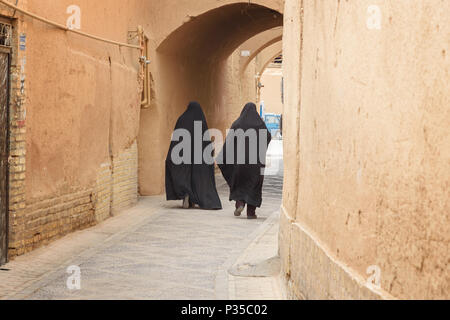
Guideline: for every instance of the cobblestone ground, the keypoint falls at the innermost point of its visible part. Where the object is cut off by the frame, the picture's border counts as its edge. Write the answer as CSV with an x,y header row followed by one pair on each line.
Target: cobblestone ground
x,y
158,251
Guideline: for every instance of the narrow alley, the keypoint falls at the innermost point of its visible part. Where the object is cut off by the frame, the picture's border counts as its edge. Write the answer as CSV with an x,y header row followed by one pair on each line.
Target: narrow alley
x,y
157,250
119,120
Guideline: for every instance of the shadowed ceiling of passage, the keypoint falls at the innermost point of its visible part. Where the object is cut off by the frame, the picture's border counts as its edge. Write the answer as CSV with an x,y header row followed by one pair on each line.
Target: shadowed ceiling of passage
x,y
214,35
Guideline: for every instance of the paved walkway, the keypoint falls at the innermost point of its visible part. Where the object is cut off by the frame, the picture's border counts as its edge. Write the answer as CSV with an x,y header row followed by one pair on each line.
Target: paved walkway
x,y
157,250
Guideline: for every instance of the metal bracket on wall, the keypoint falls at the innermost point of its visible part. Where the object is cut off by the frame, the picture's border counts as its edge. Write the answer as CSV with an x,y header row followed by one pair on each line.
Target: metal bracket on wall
x,y
144,60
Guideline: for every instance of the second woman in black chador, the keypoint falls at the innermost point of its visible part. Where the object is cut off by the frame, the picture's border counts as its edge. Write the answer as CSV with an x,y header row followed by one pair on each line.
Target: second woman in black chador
x,y
246,179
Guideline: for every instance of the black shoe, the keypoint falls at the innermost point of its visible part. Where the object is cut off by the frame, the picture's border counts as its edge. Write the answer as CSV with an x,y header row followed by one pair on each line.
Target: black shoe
x,y
238,211
240,206
254,217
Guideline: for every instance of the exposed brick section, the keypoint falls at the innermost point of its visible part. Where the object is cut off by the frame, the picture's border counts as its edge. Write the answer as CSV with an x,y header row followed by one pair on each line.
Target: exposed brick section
x,y
49,218
17,228
125,179
117,184
103,193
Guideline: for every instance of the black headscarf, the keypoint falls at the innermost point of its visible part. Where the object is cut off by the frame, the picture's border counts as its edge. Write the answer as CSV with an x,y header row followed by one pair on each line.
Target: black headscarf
x,y
195,180
246,180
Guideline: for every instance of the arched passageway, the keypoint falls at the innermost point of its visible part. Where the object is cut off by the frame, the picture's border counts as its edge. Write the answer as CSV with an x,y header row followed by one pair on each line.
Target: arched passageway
x,y
262,61
267,56
194,63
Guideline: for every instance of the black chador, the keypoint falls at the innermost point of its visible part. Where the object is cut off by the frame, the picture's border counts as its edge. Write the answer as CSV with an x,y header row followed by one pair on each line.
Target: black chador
x,y
192,179
244,169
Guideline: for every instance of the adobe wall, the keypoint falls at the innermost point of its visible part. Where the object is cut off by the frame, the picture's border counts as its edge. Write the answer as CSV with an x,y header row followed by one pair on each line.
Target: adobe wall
x,y
75,122
367,188
271,94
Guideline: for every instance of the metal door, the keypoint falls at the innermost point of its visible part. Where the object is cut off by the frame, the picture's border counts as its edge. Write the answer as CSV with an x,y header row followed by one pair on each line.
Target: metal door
x,y
4,151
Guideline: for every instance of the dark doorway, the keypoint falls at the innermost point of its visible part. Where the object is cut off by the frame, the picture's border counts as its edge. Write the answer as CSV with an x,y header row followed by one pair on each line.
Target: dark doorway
x,y
4,150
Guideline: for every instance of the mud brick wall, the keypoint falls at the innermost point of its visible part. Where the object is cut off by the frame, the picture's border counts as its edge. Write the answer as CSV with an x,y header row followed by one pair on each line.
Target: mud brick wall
x,y
46,220
49,218
103,193
365,205
125,179
17,143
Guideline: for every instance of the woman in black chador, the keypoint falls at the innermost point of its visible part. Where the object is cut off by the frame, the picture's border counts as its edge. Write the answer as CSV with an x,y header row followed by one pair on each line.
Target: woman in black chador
x,y
186,179
246,177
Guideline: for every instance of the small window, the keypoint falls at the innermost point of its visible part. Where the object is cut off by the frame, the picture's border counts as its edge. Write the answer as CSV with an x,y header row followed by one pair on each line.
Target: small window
x,y
5,34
